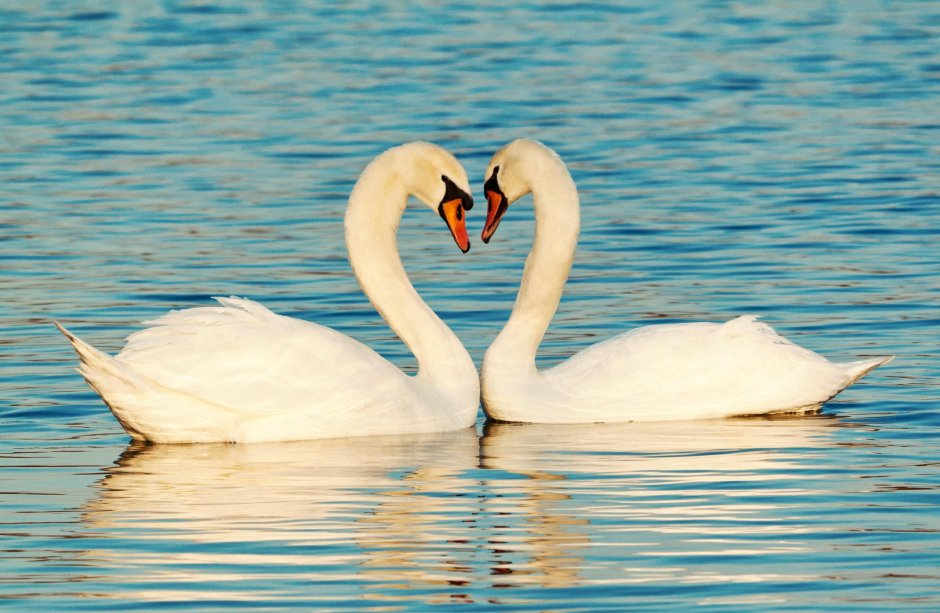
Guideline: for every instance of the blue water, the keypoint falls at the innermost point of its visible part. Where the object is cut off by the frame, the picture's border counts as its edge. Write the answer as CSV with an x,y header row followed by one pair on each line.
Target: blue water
x,y
775,158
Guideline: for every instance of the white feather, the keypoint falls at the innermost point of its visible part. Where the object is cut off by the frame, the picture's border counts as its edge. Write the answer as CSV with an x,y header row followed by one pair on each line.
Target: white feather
x,y
653,373
238,372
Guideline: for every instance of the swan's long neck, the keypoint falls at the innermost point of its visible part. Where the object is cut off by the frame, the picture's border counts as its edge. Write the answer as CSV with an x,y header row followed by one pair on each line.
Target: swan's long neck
x,y
557,222
372,218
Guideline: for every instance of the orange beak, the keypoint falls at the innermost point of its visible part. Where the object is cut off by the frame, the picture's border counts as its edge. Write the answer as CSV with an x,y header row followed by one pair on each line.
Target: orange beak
x,y
496,205
451,209
453,213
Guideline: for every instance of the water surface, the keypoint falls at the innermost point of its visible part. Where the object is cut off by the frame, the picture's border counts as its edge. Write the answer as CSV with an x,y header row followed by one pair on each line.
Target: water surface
x,y
773,159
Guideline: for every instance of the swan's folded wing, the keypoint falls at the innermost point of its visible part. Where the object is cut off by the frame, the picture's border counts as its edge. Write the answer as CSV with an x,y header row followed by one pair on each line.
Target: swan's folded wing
x,y
242,356
706,368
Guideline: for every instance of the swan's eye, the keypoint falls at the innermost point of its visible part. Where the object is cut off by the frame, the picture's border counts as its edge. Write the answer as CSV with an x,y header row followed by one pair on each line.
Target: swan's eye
x,y
445,178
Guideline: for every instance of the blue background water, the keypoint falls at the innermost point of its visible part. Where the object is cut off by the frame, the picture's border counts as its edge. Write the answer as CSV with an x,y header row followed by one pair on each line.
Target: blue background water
x,y
773,158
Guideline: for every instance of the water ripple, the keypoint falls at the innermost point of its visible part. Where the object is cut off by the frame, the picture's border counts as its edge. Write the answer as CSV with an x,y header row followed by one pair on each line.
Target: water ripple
x,y
771,159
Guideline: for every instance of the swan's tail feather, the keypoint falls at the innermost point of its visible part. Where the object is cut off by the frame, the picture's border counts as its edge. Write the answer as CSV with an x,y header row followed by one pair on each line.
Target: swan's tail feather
x,y
857,370
105,375
147,410
92,360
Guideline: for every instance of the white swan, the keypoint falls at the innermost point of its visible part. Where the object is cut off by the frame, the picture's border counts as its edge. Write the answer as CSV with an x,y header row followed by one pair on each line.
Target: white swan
x,y
660,372
240,373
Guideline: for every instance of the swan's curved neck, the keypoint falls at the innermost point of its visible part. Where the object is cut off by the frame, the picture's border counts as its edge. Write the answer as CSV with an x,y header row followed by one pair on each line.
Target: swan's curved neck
x,y
375,208
557,223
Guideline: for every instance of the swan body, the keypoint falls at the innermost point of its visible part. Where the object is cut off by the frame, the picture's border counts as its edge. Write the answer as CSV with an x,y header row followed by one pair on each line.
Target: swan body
x,y
653,373
238,372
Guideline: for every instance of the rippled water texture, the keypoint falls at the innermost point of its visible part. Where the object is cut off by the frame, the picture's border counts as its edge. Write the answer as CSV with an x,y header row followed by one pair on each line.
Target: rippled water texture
x,y
773,158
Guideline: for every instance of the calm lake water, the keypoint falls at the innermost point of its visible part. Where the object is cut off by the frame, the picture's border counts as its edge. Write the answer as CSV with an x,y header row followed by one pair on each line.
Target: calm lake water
x,y
770,158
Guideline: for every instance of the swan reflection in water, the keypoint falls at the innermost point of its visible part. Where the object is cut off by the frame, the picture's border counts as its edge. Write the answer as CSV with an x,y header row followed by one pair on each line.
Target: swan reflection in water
x,y
448,517
629,502
332,513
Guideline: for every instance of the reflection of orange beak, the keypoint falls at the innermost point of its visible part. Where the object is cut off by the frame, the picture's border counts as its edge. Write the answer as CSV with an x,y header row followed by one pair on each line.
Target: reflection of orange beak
x,y
453,214
496,205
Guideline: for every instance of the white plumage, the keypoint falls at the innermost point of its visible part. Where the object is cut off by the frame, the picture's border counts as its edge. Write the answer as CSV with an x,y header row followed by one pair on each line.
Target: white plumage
x,y
238,372
660,372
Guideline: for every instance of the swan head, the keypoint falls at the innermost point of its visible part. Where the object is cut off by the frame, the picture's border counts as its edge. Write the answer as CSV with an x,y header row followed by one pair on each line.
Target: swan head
x,y
509,176
435,177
